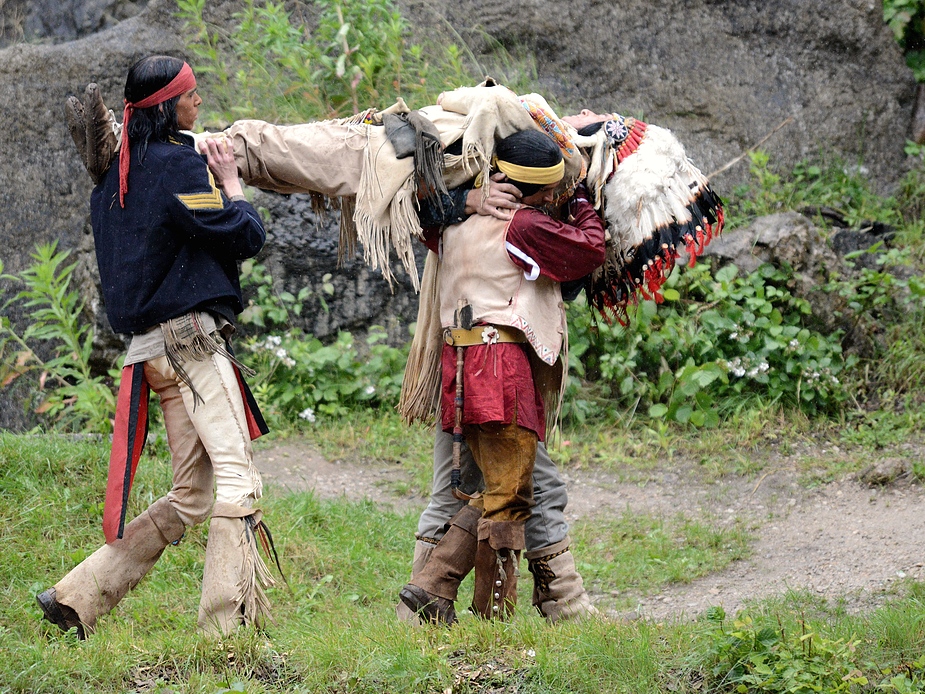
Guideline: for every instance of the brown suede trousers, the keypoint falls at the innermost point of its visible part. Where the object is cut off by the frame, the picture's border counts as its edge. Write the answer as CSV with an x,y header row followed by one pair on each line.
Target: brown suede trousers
x,y
505,454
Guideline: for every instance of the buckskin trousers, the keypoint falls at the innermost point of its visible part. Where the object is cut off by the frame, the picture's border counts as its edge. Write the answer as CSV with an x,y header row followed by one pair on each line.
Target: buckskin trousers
x,y
504,454
208,439
209,443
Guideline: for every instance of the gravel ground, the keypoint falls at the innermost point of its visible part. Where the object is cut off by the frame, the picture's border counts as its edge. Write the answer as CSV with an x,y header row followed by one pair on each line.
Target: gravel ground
x,y
852,539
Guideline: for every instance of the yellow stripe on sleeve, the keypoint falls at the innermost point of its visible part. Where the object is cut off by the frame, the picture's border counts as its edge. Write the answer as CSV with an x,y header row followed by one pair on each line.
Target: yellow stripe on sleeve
x,y
204,201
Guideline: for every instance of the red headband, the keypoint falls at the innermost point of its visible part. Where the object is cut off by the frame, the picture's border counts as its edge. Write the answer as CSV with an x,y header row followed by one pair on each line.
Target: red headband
x,y
182,83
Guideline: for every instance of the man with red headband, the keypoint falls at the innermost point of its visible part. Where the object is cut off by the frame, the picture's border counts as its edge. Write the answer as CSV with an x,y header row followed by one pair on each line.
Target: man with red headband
x,y
169,227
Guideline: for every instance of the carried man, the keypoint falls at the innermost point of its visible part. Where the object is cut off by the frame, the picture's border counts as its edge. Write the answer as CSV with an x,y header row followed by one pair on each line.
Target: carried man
x,y
380,168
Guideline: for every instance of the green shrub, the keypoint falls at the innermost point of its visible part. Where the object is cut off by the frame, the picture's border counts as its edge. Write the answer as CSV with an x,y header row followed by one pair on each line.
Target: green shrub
x,y
751,658
71,397
718,343
301,378
274,67
906,18
836,185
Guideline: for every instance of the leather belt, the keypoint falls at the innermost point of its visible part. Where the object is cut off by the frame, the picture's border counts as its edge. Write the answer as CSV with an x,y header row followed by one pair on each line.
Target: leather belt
x,y
481,335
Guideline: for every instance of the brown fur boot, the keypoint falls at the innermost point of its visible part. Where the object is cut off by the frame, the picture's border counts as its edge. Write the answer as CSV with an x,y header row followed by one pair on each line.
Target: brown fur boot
x,y
496,570
100,581
558,589
433,590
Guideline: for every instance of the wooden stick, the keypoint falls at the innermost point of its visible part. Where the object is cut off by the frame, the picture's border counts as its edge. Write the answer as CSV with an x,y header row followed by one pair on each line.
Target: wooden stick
x,y
786,121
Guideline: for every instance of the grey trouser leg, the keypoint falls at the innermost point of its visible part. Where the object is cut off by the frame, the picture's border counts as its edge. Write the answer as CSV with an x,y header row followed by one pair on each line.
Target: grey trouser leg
x,y
443,505
547,524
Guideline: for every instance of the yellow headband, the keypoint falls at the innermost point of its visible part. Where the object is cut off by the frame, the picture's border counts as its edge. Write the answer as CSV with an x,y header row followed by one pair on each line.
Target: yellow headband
x,y
531,174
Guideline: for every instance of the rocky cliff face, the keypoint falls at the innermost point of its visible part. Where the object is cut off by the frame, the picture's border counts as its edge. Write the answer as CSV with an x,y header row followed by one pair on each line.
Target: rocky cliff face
x,y
721,75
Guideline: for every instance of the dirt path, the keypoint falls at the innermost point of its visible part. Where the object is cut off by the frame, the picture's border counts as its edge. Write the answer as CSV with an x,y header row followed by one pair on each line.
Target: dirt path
x,y
846,540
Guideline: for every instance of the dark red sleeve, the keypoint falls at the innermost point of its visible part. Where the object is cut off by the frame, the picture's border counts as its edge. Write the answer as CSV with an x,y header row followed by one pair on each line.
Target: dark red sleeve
x,y
431,238
563,250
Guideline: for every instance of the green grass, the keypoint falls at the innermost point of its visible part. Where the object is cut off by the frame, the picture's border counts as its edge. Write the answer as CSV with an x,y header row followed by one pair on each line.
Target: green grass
x,y
336,631
642,553
379,435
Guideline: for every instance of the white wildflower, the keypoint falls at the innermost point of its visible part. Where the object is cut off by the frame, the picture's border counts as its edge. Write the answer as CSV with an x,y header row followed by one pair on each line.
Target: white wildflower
x,y
370,390
274,340
308,414
281,353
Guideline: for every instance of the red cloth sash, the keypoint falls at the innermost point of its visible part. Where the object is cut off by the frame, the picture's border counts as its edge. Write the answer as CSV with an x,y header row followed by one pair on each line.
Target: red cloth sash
x,y
128,440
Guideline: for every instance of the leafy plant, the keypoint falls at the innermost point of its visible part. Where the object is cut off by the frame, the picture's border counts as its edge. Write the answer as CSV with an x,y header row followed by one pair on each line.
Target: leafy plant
x,y
72,397
301,378
906,18
889,302
357,56
718,342
836,185
751,658
266,306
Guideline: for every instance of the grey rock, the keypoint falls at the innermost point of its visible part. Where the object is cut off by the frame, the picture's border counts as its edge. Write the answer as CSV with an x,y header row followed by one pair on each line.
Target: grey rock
x,y
885,472
721,75
786,238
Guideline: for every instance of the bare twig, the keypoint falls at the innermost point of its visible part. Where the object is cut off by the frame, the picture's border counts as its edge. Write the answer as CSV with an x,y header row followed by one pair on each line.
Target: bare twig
x,y
785,122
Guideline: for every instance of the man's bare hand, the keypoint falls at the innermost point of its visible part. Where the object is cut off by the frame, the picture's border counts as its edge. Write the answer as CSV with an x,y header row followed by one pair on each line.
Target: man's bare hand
x,y
221,162
502,201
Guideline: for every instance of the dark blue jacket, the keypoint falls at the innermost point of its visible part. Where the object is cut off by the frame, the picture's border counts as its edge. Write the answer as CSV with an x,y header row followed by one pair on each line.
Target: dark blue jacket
x,y
174,247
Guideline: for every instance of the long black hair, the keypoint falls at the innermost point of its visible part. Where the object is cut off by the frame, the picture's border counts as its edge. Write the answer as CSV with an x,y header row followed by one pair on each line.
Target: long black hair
x,y
146,77
529,148
591,128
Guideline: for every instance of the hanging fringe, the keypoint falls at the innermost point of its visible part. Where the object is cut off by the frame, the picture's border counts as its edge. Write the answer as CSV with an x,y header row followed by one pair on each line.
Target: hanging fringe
x,y
185,340
251,598
262,531
347,242
383,225
420,386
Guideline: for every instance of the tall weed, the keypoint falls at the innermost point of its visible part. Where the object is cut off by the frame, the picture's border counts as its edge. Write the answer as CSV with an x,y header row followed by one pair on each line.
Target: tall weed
x,y
71,397
272,65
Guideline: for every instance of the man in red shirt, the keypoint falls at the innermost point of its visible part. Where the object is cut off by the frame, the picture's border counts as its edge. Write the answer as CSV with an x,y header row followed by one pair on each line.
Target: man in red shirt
x,y
508,272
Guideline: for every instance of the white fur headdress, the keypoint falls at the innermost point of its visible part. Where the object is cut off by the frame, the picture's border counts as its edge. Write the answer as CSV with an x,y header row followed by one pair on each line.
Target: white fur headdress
x,y
654,201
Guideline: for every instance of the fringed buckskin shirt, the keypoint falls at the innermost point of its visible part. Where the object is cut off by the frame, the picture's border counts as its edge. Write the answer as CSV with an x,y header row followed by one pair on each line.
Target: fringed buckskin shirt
x,y
498,383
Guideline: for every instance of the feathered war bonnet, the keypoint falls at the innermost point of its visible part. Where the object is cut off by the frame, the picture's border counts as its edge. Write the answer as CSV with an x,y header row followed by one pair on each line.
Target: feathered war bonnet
x,y
654,202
